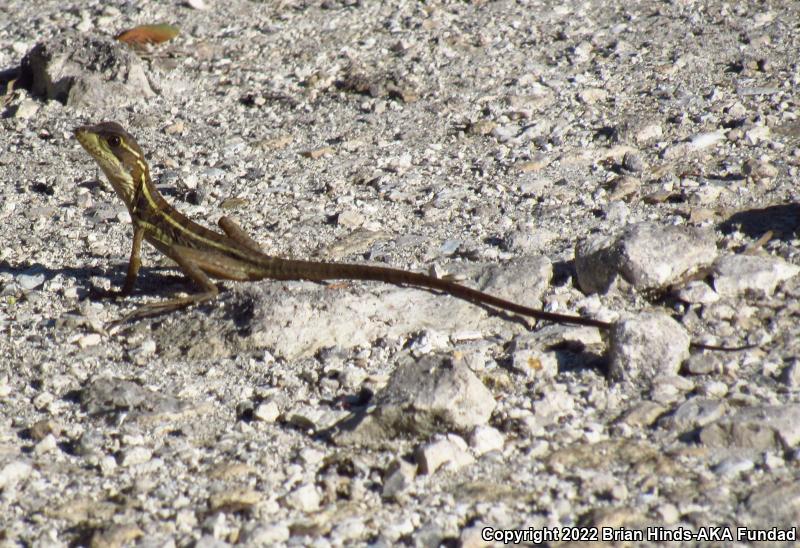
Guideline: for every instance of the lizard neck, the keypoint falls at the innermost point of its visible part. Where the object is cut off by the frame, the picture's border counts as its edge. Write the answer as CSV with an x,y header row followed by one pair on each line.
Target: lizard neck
x,y
145,195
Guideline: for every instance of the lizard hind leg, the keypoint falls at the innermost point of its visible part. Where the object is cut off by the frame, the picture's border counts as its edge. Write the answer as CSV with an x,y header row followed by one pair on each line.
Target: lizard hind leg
x,y
237,234
151,310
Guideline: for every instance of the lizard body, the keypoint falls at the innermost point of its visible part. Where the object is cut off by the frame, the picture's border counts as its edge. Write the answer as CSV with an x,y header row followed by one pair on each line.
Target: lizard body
x,y
232,254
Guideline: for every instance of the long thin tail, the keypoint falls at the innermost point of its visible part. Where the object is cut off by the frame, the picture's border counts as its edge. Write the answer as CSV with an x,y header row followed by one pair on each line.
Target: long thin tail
x,y
287,269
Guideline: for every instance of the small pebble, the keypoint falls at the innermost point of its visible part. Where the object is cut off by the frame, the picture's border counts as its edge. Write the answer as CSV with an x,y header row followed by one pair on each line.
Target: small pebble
x,y
266,412
305,498
135,455
484,439
30,281
734,466
633,162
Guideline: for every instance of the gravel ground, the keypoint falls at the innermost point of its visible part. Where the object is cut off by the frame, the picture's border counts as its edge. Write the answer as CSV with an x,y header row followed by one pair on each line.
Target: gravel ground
x,y
632,162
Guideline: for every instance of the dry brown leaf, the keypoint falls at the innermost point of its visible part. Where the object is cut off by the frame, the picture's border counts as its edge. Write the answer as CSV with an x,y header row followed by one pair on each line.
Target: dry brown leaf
x,y
148,34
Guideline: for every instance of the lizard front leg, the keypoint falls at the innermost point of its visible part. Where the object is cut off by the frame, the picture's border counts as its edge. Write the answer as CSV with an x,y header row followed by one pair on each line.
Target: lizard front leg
x,y
192,269
134,264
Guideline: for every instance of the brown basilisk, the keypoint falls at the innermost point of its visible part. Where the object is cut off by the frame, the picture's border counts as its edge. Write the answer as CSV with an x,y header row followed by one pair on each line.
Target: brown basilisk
x,y
233,255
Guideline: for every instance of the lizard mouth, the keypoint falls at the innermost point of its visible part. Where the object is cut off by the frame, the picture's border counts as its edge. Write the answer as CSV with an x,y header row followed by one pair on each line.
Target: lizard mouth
x,y
86,139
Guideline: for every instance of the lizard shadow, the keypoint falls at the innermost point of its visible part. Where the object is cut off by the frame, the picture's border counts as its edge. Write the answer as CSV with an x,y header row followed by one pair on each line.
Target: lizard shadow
x,y
783,220
150,281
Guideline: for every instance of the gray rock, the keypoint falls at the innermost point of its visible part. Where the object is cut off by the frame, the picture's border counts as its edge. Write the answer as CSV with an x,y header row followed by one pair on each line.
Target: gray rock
x,y
791,375
556,334
14,472
774,461
297,319
668,388
522,281
349,529
776,503
636,130
697,292
644,413
31,279
623,187
485,438
756,134
596,263
440,389
555,403
26,109
705,140
693,413
90,443
506,133
110,394
529,359
647,346
115,397
733,466
450,450
668,513
646,255
85,70
266,411
750,274
759,170
632,161
266,535
713,389
432,395
315,417
135,455
703,364
765,428
617,212
305,498
209,541
397,479
472,537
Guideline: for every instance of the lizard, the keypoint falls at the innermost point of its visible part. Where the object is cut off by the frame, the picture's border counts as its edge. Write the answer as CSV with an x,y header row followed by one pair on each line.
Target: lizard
x,y
232,254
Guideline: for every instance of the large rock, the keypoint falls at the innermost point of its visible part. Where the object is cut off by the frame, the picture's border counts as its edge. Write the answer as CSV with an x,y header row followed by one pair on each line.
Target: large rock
x,y
435,394
765,428
750,274
297,319
646,347
85,71
646,255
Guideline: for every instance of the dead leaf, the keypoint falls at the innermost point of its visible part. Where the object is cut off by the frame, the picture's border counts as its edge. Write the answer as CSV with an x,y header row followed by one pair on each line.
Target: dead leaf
x,y
148,34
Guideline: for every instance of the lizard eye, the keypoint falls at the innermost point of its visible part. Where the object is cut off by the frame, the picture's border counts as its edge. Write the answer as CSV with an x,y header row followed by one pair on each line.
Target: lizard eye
x,y
114,141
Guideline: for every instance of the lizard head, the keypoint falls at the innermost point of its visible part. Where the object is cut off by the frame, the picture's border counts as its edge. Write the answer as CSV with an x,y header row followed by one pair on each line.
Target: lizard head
x,y
117,154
